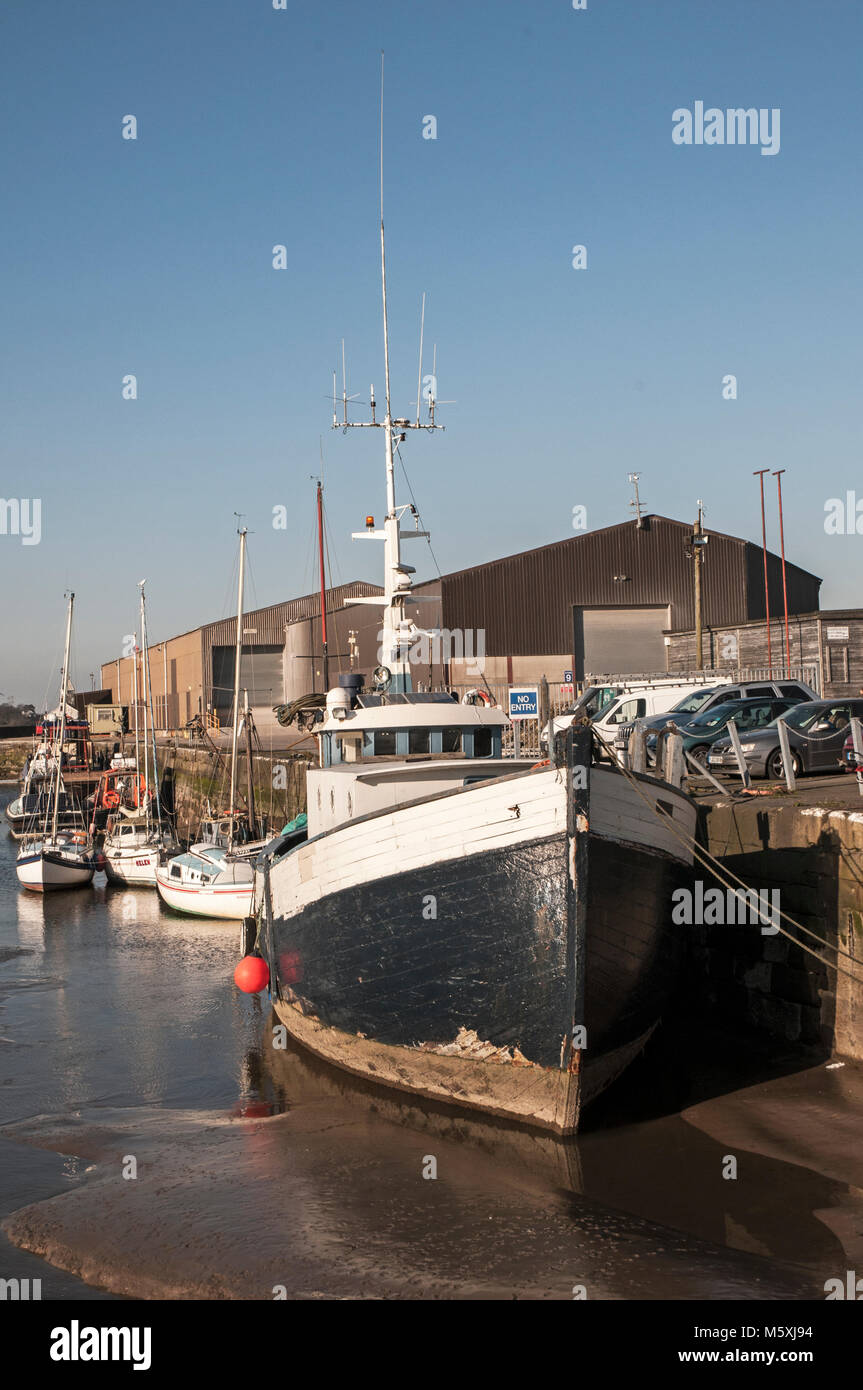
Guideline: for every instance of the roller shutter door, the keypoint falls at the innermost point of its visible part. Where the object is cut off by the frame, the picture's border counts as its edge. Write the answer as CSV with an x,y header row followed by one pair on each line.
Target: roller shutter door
x,y
260,674
619,641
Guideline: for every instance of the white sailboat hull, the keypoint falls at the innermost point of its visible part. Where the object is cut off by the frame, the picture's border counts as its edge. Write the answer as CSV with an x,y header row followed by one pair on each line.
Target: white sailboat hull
x,y
229,901
135,867
45,870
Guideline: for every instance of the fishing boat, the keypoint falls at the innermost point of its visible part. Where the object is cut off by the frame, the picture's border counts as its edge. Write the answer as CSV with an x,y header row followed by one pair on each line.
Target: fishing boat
x,y
457,924
139,836
217,879
35,803
50,857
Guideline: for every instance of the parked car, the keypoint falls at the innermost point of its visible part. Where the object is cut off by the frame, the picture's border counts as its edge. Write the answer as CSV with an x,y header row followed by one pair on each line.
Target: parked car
x,y
705,698
851,761
817,732
701,732
627,703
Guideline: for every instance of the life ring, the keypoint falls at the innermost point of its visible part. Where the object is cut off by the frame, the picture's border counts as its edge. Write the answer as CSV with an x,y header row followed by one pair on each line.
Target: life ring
x,y
476,697
111,798
79,839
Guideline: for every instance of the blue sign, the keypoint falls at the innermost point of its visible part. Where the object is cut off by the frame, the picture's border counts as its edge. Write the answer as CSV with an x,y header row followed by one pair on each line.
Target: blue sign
x,y
524,702
567,678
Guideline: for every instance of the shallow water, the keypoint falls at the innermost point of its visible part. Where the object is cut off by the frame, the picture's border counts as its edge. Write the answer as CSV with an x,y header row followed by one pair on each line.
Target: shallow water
x,y
122,1035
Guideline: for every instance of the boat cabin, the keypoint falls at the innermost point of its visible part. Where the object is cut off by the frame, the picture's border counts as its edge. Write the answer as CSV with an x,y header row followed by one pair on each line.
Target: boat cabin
x,y
382,750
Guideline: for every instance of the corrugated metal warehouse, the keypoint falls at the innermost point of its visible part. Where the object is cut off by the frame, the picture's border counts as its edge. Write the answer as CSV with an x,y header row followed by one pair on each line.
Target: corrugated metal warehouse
x,y
192,674
604,601
615,601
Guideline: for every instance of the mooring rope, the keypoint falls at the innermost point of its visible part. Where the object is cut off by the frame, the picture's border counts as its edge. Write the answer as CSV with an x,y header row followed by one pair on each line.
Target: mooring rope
x,y
705,858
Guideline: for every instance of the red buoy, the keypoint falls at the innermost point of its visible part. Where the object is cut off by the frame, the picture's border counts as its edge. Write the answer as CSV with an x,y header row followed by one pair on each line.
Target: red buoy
x,y
252,974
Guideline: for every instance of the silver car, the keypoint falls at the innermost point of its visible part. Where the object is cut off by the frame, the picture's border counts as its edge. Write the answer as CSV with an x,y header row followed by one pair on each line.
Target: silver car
x,y
817,731
699,701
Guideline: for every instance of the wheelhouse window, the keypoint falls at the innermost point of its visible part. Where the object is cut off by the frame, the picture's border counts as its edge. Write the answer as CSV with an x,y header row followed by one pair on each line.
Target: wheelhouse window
x,y
385,743
482,743
419,741
450,740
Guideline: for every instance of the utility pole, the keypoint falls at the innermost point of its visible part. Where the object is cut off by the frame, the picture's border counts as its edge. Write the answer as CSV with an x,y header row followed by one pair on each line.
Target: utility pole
x,y
777,473
759,474
698,542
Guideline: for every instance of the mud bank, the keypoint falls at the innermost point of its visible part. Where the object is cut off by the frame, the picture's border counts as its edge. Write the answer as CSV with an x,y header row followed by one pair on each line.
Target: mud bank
x,y
329,1200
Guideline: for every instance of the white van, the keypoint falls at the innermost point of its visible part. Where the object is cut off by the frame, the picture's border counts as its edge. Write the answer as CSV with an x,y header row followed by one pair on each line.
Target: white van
x,y
630,702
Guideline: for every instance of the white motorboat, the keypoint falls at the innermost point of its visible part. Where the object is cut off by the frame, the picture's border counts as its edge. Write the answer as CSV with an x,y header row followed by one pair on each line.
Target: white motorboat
x,y
208,881
140,838
218,880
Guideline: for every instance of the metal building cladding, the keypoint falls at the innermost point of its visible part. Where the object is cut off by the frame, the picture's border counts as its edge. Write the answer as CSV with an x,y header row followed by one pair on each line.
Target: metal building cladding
x,y
192,673
610,601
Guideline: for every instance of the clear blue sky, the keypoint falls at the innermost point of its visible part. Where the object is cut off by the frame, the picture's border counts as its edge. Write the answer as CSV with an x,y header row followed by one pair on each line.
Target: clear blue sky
x,y
258,127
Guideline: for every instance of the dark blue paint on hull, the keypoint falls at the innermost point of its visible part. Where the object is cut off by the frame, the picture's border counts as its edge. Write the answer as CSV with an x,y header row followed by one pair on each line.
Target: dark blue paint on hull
x,y
372,960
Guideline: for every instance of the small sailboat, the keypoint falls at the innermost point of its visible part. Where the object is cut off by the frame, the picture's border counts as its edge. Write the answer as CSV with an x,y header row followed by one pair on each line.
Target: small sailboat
x,y
139,836
218,880
51,857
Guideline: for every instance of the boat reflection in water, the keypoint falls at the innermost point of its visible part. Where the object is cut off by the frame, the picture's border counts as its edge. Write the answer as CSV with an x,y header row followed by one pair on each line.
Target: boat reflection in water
x,y
665,1170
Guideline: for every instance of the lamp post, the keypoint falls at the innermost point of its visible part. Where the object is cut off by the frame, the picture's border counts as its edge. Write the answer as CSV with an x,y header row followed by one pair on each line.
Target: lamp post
x,y
759,474
777,473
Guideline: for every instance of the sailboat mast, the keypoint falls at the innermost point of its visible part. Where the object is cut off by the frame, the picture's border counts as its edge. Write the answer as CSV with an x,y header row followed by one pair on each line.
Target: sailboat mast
x,y
237,658
64,688
135,697
326,666
148,698
250,769
144,693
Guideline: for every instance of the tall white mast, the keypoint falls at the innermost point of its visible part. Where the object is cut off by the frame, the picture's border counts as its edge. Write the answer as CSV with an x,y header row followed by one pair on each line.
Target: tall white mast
x,y
135,697
144,694
237,657
64,687
396,633
148,703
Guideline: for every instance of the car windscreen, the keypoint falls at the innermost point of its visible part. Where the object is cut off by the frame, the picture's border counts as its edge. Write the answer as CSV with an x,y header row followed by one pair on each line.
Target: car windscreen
x,y
712,718
691,704
804,716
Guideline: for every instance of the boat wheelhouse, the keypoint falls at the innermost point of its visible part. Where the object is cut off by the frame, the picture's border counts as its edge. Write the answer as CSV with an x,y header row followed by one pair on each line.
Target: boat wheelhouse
x,y
379,750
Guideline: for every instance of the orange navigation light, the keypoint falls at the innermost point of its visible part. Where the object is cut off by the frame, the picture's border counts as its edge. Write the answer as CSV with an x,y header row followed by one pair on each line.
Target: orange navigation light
x,y
370,523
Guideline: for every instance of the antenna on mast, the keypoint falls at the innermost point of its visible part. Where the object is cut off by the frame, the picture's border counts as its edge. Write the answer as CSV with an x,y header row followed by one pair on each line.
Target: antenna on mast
x,y
420,374
636,500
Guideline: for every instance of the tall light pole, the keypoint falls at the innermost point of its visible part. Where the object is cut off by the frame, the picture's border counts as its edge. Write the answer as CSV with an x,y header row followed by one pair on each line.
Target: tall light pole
x,y
759,474
697,546
777,473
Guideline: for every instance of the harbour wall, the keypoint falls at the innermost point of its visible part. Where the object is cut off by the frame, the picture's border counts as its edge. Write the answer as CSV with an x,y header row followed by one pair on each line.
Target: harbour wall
x,y
737,975
192,777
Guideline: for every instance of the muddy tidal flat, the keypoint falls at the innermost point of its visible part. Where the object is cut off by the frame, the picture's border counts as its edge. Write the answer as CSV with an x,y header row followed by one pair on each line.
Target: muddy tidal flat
x,y
154,1145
